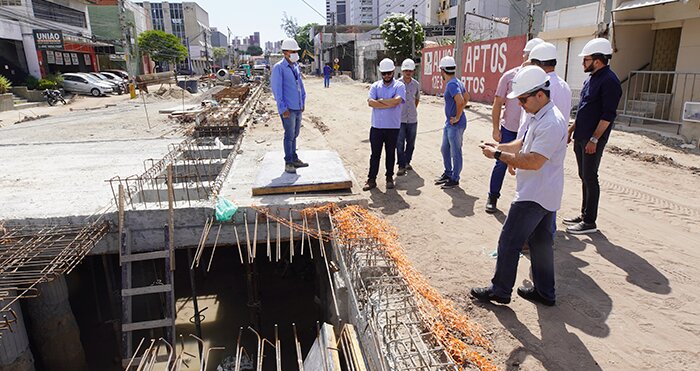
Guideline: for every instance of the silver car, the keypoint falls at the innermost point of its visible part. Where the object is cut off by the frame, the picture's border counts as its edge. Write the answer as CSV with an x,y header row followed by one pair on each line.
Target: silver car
x,y
85,84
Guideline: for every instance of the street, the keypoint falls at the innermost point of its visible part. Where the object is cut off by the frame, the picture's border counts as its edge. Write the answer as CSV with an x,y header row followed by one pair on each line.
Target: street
x,y
625,295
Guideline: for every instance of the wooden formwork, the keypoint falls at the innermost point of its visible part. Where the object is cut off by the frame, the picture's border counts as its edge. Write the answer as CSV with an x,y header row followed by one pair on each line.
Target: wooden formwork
x,y
232,93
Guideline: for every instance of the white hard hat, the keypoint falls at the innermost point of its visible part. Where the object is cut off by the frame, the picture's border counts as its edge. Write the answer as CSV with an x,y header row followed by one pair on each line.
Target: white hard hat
x,y
597,46
528,79
544,52
408,65
532,43
386,65
290,44
447,62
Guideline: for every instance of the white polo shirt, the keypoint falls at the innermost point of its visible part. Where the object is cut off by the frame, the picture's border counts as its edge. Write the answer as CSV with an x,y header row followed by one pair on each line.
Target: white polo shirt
x,y
559,93
546,135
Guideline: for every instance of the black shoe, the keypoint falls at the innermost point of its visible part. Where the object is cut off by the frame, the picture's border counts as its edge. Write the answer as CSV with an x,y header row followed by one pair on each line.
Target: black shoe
x,y
402,171
370,184
409,167
442,179
300,163
389,183
582,228
530,294
491,205
290,168
486,295
450,184
572,221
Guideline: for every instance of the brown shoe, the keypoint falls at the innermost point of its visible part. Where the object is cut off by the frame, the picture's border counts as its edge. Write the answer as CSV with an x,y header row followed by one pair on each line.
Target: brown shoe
x,y
370,184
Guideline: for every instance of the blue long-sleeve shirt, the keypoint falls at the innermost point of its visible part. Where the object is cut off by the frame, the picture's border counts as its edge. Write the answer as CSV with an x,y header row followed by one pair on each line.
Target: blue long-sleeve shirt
x,y
287,86
327,70
600,96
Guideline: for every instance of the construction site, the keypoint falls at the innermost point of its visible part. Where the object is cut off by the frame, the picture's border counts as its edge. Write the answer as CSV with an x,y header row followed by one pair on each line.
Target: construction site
x,y
162,233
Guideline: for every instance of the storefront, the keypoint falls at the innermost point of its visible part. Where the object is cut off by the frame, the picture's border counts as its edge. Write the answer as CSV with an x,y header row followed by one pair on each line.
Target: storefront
x,y
59,54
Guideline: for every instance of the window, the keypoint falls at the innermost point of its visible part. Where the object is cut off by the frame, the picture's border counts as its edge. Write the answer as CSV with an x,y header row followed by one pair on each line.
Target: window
x,y
453,22
11,2
176,21
58,13
157,16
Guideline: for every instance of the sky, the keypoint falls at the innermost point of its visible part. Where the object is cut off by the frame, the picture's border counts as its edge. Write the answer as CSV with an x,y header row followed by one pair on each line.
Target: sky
x,y
244,17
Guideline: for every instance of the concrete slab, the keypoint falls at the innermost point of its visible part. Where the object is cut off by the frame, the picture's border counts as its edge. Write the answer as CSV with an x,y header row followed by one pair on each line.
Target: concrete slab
x,y
324,173
64,179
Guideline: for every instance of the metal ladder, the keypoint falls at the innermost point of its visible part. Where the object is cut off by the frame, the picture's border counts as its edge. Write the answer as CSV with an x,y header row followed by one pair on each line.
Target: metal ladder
x,y
167,287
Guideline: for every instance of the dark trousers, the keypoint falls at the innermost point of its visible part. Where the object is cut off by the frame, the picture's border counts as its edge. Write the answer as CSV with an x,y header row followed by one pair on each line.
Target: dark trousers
x,y
588,172
406,143
529,222
379,138
499,170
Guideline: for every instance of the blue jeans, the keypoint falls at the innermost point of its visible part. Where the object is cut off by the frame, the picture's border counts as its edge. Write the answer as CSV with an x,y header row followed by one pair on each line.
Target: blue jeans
x,y
529,222
452,136
291,125
326,81
406,143
499,170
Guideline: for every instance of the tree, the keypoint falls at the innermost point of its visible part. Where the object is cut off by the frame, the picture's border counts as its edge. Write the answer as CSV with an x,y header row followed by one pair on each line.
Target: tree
x,y
397,30
302,38
219,53
289,25
162,47
254,50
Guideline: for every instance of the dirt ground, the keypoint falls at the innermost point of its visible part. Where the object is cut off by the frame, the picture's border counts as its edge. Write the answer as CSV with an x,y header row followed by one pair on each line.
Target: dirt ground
x,y
627,297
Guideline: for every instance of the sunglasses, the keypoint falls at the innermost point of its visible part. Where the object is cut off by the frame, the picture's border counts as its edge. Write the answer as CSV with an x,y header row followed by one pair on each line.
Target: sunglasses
x,y
387,73
524,99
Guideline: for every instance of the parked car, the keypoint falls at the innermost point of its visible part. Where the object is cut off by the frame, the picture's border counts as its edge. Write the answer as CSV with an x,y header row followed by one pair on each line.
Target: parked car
x,y
117,79
123,74
85,84
117,87
186,71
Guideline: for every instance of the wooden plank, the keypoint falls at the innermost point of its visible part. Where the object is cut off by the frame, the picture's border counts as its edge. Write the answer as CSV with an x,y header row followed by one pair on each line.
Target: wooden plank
x,y
355,350
120,220
147,290
145,256
135,326
171,214
302,188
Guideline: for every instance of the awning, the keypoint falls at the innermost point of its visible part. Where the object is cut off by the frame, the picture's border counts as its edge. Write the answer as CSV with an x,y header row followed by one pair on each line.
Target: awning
x,y
636,4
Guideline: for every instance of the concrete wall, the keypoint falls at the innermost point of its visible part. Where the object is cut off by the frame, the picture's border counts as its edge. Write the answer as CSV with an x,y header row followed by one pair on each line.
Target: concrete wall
x,y
15,354
519,12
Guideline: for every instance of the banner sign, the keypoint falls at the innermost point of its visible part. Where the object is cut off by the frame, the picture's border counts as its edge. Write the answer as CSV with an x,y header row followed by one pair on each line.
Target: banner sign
x,y
483,63
48,39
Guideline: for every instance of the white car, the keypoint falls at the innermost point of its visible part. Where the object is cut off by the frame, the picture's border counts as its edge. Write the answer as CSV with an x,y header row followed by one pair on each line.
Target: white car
x,y
85,84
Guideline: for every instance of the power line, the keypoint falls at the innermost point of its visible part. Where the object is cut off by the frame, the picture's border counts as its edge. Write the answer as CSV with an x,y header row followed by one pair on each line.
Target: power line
x,y
314,9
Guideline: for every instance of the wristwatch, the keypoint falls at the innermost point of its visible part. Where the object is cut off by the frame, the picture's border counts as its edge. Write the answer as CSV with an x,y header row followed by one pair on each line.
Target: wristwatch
x,y
594,140
497,155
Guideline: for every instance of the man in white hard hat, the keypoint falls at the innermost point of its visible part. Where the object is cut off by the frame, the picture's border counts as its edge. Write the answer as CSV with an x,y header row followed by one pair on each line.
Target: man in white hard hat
x,y
595,118
409,118
288,89
456,98
539,160
385,97
505,128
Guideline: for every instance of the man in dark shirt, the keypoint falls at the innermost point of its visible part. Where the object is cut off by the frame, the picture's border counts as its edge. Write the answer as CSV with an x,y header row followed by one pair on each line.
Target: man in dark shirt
x,y
594,121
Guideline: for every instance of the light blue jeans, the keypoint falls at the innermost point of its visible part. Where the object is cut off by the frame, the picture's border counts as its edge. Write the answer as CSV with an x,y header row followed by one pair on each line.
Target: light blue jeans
x,y
452,136
292,125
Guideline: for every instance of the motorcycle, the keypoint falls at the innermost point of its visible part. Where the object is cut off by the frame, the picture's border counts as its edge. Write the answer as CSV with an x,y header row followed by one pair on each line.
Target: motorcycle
x,y
53,96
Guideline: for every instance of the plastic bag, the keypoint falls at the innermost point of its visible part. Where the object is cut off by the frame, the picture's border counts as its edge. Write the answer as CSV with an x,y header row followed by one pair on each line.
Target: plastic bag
x,y
225,209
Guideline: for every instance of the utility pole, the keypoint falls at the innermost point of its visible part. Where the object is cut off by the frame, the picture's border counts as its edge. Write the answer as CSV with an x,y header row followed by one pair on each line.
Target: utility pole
x,y
206,50
413,33
459,37
228,43
335,44
126,44
531,16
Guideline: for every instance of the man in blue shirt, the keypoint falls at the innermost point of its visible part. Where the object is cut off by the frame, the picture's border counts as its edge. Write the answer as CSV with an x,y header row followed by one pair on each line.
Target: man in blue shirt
x,y
386,97
456,97
327,71
288,89
595,118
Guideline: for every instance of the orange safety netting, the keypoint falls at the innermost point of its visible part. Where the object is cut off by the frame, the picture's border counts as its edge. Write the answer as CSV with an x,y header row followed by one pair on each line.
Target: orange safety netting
x,y
461,338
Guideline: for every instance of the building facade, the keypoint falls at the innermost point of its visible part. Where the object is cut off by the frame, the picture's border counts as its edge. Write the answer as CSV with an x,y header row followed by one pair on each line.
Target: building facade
x,y
190,23
339,10
484,19
38,37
